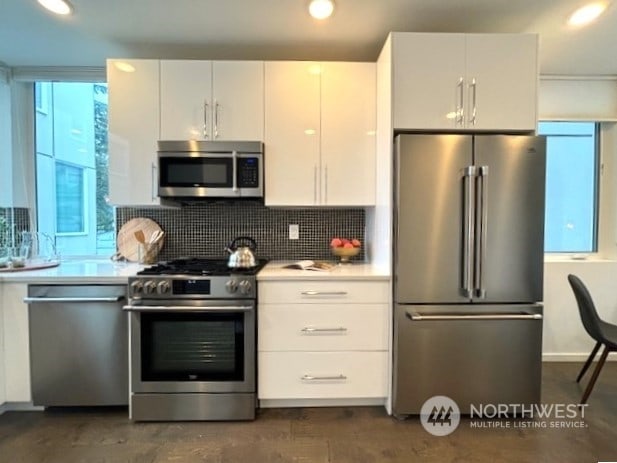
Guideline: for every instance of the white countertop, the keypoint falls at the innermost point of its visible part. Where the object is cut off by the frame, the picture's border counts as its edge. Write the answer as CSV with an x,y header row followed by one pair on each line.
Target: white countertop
x,y
106,271
355,271
77,271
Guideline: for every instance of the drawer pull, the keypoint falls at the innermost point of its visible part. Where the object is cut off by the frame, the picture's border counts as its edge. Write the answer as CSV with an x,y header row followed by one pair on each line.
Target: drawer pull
x,y
323,293
310,330
323,378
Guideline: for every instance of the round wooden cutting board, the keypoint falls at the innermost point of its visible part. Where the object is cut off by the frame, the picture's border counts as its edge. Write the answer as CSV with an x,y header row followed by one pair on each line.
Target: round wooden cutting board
x,y
127,243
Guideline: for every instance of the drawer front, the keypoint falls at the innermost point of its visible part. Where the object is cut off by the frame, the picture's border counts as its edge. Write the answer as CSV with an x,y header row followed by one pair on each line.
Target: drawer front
x,y
325,327
318,292
322,375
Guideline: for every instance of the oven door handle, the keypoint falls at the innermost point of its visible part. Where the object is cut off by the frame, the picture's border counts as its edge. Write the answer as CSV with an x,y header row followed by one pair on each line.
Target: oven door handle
x,y
178,308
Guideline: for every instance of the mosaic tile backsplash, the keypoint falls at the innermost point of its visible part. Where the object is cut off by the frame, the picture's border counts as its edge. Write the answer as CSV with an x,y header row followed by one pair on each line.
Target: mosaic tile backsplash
x,y
204,229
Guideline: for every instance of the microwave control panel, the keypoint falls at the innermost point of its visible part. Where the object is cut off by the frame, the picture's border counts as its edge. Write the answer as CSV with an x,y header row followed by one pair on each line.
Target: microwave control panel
x,y
248,173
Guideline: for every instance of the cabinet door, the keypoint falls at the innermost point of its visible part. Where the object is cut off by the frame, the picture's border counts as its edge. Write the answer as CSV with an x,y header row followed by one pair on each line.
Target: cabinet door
x,y
428,69
133,87
292,133
16,343
186,100
238,99
505,68
348,111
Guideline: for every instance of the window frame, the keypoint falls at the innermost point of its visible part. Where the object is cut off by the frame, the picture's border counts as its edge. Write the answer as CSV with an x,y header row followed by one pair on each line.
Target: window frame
x,y
598,167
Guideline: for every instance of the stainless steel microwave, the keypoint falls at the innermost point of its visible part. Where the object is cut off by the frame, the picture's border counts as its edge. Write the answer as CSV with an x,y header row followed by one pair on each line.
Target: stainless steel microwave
x,y
210,169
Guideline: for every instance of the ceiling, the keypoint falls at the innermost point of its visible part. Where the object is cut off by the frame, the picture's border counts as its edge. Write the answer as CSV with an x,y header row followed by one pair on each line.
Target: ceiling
x,y
282,29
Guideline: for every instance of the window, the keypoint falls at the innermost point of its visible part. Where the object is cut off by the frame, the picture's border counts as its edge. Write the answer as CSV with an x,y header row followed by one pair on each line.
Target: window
x,y
71,167
572,173
70,213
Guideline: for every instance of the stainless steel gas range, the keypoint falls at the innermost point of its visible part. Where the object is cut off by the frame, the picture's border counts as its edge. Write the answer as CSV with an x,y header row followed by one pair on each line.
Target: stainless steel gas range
x,y
193,341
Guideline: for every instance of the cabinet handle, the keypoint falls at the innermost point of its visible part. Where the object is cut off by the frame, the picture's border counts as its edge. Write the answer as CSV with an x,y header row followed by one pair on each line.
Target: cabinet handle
x,y
216,119
310,330
459,107
64,300
323,293
234,174
323,378
326,182
154,181
206,106
315,184
473,87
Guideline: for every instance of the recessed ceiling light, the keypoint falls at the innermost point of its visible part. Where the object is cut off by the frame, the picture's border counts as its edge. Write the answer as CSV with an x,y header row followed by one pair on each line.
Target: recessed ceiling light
x,y
57,6
586,14
321,9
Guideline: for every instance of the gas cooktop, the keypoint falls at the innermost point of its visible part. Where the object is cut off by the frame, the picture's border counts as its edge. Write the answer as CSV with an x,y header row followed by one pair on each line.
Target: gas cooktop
x,y
199,267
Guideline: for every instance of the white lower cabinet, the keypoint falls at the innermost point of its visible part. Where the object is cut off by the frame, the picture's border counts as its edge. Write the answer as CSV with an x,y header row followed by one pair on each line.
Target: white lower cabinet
x,y
16,343
322,375
323,340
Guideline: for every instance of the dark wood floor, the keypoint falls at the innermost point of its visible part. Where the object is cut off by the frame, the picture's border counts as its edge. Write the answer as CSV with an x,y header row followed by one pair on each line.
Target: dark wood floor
x,y
358,435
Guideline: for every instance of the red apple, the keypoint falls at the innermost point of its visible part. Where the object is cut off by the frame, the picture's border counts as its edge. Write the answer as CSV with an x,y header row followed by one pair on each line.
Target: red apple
x,y
336,243
345,241
356,243
348,245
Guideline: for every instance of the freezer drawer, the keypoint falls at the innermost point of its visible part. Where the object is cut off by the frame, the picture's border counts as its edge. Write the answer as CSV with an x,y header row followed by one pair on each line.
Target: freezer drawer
x,y
472,354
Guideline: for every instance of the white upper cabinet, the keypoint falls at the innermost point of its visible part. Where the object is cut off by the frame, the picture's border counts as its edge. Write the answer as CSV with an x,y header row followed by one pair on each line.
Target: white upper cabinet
x,y
292,133
348,126
320,133
133,87
429,70
212,100
465,82
505,69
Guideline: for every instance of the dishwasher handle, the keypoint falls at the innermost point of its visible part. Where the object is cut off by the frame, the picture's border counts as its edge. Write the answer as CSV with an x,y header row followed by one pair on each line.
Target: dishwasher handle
x,y
414,316
81,300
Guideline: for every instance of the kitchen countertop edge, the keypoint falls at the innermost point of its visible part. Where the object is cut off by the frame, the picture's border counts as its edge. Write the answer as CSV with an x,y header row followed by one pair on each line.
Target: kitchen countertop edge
x,y
86,272
356,271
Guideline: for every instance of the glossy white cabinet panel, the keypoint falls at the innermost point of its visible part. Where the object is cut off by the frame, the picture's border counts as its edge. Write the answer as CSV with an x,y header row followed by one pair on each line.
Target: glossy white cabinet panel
x,y
322,292
322,375
326,327
348,128
212,100
133,132
16,343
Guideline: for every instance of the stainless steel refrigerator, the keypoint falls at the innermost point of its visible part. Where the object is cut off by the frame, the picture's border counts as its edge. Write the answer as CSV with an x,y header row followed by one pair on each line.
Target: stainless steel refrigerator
x,y
468,269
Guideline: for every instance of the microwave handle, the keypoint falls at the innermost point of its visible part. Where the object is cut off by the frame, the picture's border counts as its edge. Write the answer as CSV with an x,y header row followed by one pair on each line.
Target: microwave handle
x,y
155,182
234,174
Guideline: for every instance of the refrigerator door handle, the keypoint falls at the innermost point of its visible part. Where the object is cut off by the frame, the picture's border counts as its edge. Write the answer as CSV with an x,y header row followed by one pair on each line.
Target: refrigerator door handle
x,y
468,174
417,317
481,231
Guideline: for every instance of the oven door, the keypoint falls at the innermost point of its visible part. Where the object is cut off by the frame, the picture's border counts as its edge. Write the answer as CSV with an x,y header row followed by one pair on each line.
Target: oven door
x,y
191,347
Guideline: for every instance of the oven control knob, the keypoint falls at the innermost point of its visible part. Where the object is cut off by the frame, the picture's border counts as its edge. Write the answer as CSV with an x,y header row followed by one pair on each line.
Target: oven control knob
x,y
232,286
137,287
245,287
149,287
163,287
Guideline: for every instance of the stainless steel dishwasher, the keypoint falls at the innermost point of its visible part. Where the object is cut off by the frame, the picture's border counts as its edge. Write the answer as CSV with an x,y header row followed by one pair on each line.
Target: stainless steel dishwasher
x,y
78,345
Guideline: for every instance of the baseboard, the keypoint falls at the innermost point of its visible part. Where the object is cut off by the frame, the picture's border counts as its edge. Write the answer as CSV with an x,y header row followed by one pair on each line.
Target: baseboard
x,y
574,357
20,407
286,403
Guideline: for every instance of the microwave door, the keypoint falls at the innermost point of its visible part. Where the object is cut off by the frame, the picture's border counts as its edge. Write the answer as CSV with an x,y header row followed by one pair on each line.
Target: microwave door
x,y
198,175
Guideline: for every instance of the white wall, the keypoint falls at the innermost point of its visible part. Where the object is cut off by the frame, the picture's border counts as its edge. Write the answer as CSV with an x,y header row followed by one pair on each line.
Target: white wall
x,y
564,335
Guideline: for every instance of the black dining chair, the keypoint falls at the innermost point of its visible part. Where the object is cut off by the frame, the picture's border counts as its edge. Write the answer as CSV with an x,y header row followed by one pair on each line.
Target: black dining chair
x,y
602,332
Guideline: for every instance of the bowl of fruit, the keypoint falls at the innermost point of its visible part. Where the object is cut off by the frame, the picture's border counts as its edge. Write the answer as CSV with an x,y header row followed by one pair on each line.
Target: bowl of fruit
x,y
345,249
